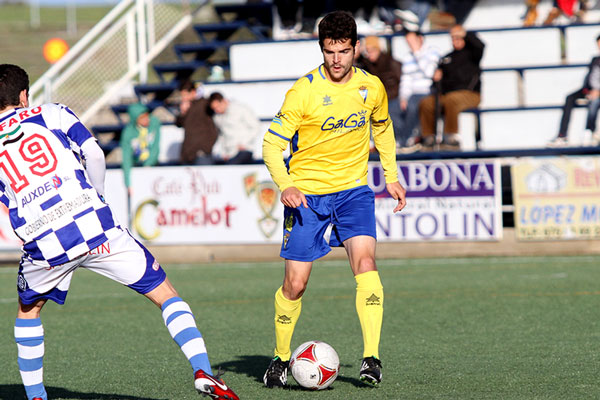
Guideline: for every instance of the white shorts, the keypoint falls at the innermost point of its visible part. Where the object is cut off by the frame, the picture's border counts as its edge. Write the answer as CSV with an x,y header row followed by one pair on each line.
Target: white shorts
x,y
121,258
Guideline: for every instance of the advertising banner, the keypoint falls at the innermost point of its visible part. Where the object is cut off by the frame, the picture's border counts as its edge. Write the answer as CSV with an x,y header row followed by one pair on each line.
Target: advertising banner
x,y
217,204
557,198
446,201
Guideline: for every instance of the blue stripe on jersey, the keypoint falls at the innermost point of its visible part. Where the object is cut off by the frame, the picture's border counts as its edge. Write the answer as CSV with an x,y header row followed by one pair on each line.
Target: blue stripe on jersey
x,y
32,250
295,142
32,364
321,72
84,212
60,135
361,70
37,119
43,234
15,220
382,120
82,180
13,113
69,236
27,323
4,200
310,77
61,259
277,134
97,241
78,133
106,218
50,202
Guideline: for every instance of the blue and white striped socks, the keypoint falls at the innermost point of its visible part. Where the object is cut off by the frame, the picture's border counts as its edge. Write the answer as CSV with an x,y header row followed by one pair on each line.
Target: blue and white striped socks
x,y
29,335
181,324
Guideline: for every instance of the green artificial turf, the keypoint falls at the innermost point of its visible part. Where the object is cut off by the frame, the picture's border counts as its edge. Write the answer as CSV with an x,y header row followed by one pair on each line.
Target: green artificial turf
x,y
478,328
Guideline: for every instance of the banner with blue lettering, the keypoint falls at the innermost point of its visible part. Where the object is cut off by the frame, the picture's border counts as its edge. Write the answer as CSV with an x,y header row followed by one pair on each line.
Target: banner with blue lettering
x,y
458,200
557,198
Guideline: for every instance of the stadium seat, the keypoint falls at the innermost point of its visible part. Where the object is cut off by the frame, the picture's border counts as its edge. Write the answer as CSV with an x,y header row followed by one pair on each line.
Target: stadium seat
x,y
526,128
550,86
264,97
580,43
521,47
273,60
500,89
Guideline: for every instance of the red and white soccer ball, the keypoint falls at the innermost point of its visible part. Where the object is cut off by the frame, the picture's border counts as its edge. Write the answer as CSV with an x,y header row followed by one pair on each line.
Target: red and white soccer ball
x,y
314,365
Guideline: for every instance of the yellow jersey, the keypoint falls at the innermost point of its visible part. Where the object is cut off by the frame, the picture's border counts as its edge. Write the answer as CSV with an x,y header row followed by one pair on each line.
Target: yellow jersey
x,y
327,127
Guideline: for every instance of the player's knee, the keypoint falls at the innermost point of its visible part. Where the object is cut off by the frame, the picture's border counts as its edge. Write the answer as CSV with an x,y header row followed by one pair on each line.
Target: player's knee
x,y
293,289
366,264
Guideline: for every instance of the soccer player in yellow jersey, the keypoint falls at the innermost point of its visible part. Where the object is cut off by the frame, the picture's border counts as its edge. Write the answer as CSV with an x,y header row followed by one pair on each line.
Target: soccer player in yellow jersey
x,y
326,120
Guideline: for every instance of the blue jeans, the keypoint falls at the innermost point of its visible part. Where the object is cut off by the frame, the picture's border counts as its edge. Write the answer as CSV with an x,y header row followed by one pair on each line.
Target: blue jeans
x,y
409,127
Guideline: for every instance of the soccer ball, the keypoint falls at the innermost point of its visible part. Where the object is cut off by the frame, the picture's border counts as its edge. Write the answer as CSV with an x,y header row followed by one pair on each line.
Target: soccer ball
x,y
314,365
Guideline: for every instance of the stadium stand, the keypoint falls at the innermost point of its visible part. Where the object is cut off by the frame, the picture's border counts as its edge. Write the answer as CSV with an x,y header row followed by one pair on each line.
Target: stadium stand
x,y
519,110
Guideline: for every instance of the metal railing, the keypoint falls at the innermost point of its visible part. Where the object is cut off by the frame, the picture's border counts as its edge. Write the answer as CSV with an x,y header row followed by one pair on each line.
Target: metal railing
x,y
113,53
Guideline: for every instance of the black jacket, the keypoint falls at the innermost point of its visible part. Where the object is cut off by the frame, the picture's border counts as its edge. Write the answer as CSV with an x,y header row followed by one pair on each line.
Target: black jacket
x,y
594,64
461,69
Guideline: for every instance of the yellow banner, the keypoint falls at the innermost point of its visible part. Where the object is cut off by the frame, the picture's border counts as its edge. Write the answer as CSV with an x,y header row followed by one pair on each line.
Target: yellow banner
x,y
557,198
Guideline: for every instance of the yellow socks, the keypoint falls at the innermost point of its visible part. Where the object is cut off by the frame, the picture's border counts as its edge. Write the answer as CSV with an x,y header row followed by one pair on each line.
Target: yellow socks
x,y
286,316
369,306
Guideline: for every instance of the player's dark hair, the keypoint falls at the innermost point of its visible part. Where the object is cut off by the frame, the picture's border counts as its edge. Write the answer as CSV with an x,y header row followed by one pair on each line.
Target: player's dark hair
x,y
216,96
187,85
13,80
338,26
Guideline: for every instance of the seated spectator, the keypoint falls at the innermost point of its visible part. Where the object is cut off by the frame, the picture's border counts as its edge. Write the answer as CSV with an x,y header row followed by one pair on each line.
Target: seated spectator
x,y
418,67
199,129
238,129
140,141
590,92
291,28
388,70
458,88
573,10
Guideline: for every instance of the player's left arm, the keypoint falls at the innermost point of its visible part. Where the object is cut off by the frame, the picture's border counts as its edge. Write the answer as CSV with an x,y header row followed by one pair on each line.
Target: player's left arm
x,y
95,165
86,145
385,142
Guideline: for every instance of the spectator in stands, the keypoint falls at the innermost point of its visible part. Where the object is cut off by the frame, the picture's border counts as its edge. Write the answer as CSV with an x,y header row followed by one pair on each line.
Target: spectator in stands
x,y
418,67
388,70
140,140
590,93
291,28
199,129
457,87
574,10
238,129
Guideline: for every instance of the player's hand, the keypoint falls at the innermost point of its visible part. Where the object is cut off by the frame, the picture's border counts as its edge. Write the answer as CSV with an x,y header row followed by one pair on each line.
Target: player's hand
x,y
292,197
396,190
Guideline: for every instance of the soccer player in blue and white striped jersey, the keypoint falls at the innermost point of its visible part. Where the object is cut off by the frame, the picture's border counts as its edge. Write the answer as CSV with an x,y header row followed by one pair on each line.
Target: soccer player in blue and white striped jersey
x,y
52,182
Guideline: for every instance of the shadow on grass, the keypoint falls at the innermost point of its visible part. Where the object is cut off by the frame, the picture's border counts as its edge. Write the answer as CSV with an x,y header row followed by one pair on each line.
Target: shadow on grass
x,y
255,367
18,392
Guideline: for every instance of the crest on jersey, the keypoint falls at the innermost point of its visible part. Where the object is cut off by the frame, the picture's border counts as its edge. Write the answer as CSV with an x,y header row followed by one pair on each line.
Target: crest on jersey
x,y
327,100
363,92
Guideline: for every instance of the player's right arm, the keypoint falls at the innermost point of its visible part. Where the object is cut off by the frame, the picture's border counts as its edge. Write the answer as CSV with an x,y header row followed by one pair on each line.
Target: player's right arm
x,y
278,137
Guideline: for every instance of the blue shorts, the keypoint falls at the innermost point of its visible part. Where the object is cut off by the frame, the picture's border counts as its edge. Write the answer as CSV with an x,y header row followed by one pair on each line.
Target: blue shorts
x,y
350,213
